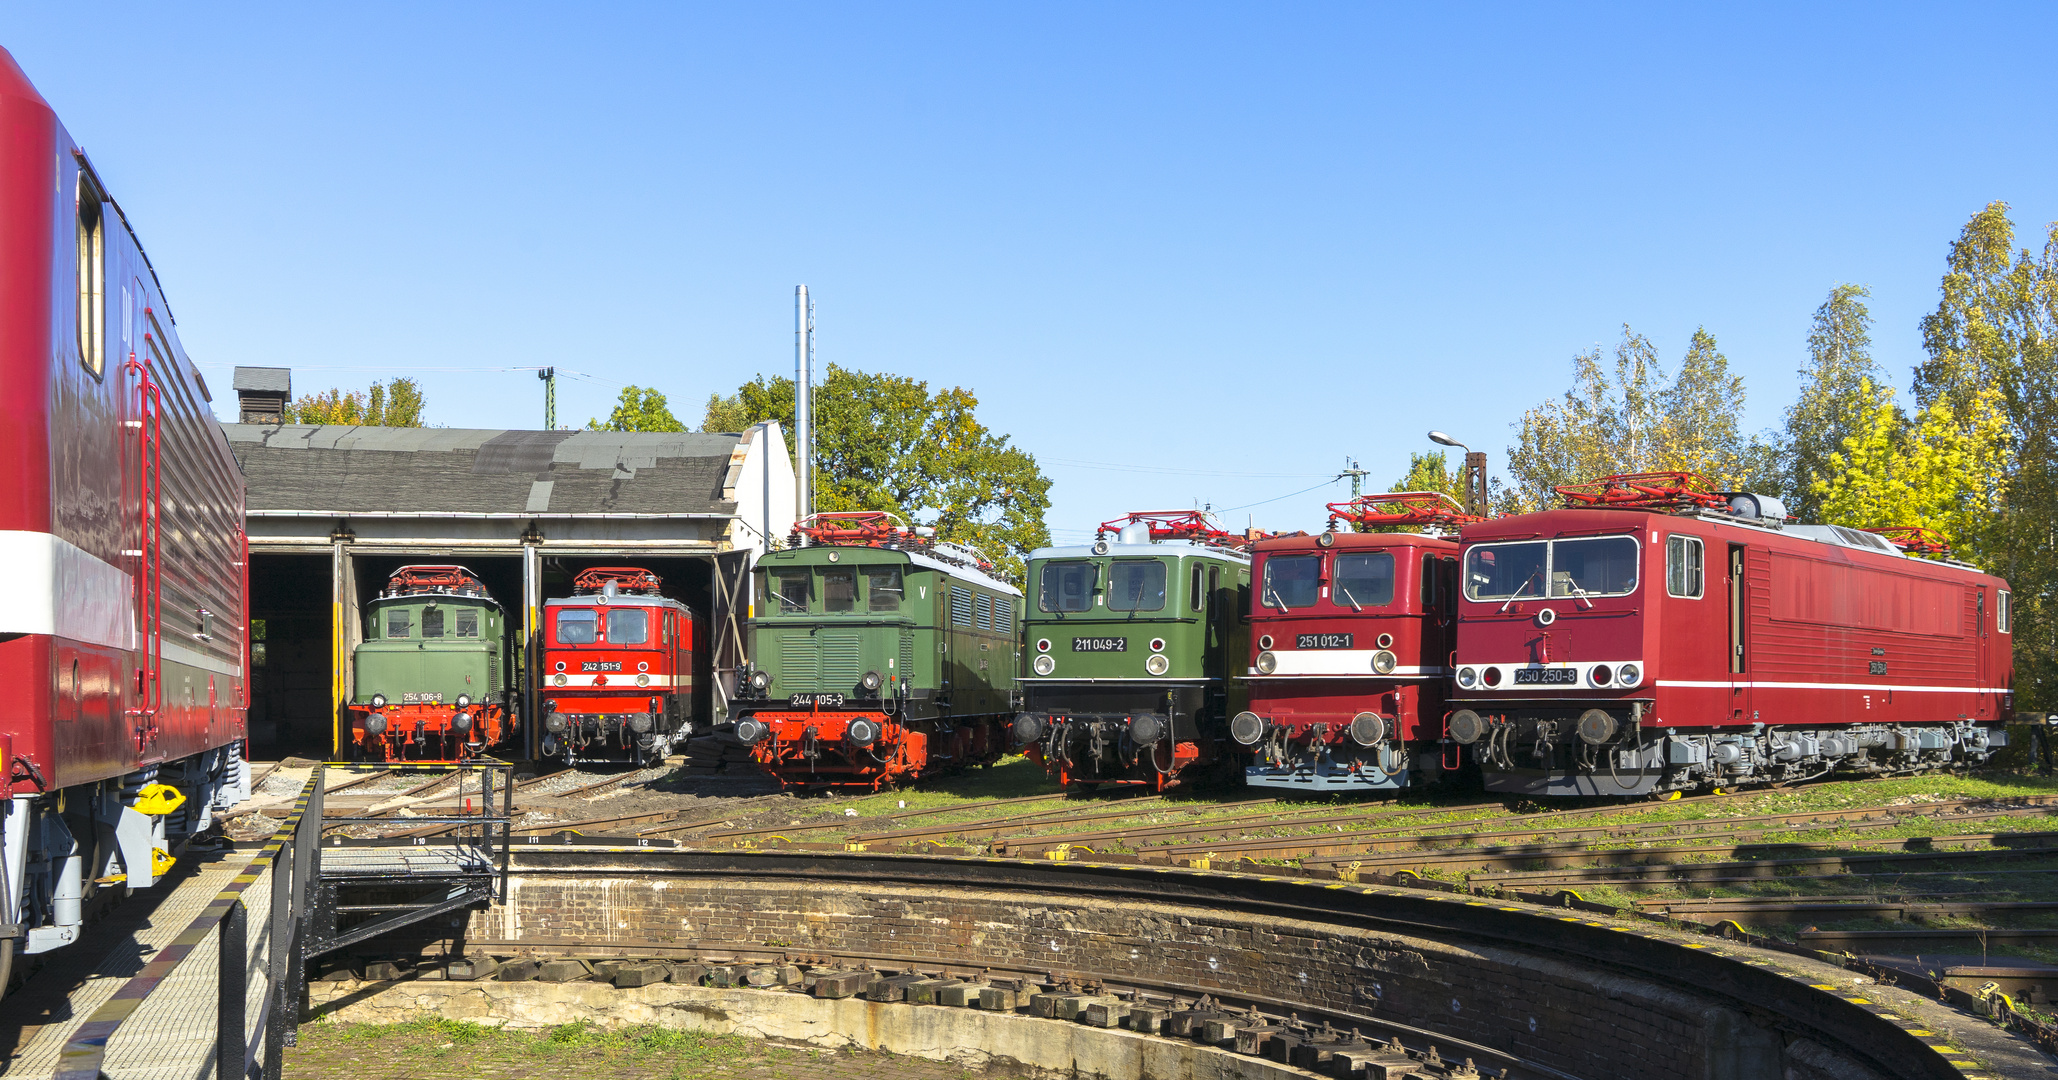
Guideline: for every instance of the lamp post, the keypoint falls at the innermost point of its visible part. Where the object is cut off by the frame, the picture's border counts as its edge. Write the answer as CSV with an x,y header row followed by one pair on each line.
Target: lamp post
x,y
1475,473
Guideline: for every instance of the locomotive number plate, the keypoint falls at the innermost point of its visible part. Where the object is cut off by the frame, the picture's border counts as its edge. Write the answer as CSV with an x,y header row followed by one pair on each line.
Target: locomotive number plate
x,y
601,665
1100,644
1549,676
801,700
1323,641
421,699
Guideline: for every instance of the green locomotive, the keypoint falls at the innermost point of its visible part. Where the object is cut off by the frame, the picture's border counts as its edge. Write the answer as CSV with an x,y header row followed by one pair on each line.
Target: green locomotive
x,y
878,656
429,679
1135,649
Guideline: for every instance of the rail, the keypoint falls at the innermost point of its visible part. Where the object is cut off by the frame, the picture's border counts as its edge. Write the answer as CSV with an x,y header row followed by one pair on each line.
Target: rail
x,y
289,859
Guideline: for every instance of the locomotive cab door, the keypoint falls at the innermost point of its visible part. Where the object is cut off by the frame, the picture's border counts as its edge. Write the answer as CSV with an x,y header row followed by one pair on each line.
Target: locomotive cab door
x,y
1739,617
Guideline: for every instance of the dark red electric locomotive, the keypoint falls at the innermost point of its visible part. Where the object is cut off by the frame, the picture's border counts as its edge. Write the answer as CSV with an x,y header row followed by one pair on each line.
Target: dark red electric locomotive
x,y
618,669
122,612
1351,635
1656,635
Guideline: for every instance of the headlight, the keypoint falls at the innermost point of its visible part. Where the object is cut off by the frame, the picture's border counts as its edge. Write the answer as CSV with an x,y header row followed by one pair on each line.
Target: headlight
x,y
1042,644
871,680
1466,726
1491,676
464,701
862,732
559,679
643,680
1043,665
1467,676
1158,664
1267,663
1247,728
1603,674
374,724
1157,644
759,680
560,665
1630,674
378,701
642,666
554,722
1383,662
462,721
1264,641
639,722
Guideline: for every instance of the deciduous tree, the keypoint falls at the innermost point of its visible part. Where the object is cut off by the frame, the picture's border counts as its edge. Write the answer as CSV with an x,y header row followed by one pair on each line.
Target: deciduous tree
x,y
639,409
1841,388
398,404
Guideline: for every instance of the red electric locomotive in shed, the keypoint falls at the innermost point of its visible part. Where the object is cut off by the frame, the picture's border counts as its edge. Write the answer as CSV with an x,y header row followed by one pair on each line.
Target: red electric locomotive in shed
x,y
1658,636
1351,635
123,667
618,669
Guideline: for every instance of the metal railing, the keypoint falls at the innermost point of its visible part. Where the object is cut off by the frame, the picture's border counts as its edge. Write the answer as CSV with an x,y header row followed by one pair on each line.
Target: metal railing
x,y
289,858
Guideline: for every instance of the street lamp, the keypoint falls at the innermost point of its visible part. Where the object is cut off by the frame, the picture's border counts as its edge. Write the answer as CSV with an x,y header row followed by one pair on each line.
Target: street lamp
x,y
1475,473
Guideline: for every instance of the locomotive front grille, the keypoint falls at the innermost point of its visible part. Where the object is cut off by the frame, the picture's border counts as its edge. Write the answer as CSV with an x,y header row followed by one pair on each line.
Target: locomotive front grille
x,y
841,659
799,661
907,655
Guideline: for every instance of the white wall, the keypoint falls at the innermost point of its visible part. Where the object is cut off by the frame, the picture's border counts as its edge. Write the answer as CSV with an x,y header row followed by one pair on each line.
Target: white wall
x,y
764,490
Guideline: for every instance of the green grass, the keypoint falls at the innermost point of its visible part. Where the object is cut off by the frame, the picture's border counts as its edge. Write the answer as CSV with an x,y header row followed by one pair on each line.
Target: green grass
x,y
436,1037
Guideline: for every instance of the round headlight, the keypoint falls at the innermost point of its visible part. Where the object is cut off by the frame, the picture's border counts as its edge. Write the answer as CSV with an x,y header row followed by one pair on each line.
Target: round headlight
x,y
1158,664
1028,728
1042,644
1383,662
759,680
462,721
559,679
554,722
871,680
1602,674
1264,641
1043,665
464,701
750,731
639,722
374,724
1157,644
1267,663
1385,641
1467,676
1247,728
560,665
1491,676
862,732
642,666
1630,674
1146,729
378,701
643,680
1368,729
1466,727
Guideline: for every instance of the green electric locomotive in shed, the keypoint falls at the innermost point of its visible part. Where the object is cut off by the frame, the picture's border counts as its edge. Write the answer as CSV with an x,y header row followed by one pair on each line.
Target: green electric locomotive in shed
x,y
1134,647
428,679
877,656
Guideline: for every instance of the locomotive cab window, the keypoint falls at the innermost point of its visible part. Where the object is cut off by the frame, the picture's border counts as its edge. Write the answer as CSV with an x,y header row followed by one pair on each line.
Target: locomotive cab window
x,y
1136,585
1362,580
1602,566
839,590
790,587
468,622
577,626
432,621
92,276
396,622
883,589
628,626
1291,581
1506,571
2004,612
1193,590
1683,570
1067,586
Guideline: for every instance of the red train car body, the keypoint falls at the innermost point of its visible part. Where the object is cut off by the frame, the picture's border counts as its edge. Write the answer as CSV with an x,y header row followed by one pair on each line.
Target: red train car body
x,y
122,655
1351,633
1658,637
618,669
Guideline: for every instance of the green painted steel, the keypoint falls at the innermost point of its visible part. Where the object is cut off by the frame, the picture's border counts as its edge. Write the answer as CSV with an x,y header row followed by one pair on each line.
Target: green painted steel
x,y
431,648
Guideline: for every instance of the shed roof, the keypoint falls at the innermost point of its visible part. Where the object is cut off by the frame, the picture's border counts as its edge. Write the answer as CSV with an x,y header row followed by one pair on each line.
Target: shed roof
x,y
343,470
269,380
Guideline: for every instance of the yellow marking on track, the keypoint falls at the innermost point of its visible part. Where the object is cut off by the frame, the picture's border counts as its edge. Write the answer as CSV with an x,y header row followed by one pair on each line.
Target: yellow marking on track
x,y
1694,945
1922,1033
1857,1001
1820,986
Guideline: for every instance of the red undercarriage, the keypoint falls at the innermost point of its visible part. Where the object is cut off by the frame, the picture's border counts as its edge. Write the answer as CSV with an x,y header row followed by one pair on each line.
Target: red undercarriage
x,y
427,733
1164,775
809,749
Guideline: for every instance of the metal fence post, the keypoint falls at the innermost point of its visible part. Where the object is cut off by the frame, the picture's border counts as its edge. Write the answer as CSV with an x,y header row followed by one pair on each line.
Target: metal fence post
x,y
307,867
232,989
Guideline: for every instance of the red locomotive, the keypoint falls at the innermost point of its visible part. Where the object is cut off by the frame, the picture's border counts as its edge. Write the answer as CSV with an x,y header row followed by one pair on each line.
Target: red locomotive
x,y
122,659
1657,636
1352,633
618,669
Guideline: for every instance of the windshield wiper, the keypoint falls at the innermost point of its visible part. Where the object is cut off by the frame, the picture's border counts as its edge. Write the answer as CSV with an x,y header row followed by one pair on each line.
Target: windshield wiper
x,y
1517,594
1355,606
1276,600
1579,594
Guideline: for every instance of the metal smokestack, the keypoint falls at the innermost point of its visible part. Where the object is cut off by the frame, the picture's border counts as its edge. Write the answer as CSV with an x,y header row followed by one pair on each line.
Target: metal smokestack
x,y
803,401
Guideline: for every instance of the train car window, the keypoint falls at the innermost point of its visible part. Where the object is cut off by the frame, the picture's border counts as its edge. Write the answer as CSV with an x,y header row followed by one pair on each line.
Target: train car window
x,y
92,274
1683,570
883,588
1602,566
1193,591
577,626
1363,579
1506,571
791,587
1067,586
2004,612
1136,585
1291,581
628,626
432,622
839,590
396,622
468,622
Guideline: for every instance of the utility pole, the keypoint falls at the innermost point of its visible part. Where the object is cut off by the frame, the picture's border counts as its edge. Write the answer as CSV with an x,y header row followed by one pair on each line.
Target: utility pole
x,y
549,377
1475,473
1357,476
803,401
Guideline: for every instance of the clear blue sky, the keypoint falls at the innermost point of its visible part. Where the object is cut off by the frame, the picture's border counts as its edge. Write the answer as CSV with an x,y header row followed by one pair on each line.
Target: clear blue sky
x,y
1208,250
